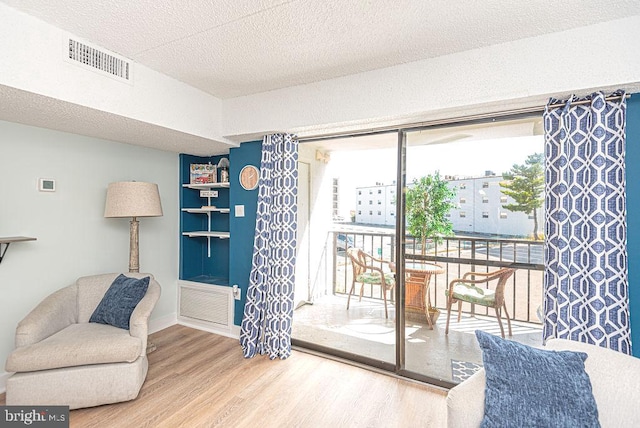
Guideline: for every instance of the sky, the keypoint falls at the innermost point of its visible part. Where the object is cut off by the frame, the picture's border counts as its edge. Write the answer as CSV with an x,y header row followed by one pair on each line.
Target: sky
x,y
359,168
473,158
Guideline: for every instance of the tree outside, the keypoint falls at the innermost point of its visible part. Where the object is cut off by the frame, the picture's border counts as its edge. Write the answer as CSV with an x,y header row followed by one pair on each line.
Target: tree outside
x,y
525,184
428,201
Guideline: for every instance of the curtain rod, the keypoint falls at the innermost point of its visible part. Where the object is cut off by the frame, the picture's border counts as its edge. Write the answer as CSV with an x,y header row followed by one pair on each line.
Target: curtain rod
x,y
582,102
481,117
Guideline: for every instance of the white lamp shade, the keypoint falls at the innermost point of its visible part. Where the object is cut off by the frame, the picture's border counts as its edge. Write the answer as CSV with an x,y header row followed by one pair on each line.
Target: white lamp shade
x,y
133,199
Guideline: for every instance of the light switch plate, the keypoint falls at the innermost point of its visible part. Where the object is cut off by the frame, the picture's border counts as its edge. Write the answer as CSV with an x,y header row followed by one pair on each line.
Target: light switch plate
x,y
239,209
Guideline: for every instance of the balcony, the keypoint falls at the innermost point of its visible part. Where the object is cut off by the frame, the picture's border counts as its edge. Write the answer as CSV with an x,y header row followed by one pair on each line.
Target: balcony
x,y
364,330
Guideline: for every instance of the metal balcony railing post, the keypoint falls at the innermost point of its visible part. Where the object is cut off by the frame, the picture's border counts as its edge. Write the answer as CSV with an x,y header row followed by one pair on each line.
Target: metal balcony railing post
x,y
473,269
335,264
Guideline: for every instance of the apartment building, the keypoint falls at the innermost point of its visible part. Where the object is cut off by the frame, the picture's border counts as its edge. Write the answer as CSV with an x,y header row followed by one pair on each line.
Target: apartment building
x,y
479,207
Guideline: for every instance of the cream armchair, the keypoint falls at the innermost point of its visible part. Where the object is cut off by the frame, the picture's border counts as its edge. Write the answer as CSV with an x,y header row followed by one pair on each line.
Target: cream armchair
x,y
63,359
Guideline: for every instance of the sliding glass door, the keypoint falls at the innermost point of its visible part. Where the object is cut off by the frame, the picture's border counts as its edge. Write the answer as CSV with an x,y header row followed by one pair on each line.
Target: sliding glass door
x,y
394,218
473,225
350,308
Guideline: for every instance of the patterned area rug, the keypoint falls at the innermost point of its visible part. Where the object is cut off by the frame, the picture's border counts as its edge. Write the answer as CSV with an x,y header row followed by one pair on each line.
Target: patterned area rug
x,y
461,370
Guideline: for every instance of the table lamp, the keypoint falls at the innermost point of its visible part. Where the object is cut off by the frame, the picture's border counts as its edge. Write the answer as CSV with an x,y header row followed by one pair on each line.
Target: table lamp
x,y
133,199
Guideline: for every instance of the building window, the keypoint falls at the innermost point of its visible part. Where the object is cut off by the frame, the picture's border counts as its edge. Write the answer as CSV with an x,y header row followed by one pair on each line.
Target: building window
x,y
485,214
370,202
503,215
392,213
359,202
447,215
463,186
485,185
503,199
379,202
359,212
530,217
485,200
379,212
463,200
371,192
370,212
379,191
463,214
359,192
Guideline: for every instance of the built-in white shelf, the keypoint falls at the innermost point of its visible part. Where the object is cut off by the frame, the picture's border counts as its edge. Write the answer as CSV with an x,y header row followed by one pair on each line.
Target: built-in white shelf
x,y
207,234
206,210
207,186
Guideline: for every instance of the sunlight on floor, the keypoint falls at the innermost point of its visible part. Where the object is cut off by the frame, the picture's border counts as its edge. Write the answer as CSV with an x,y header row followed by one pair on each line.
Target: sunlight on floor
x,y
364,330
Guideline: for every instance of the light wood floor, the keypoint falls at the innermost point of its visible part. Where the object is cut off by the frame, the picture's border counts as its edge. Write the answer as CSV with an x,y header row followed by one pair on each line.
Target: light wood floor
x,y
199,379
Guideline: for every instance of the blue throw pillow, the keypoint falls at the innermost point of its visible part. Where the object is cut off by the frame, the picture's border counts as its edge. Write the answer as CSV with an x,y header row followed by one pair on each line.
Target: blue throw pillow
x,y
119,301
528,387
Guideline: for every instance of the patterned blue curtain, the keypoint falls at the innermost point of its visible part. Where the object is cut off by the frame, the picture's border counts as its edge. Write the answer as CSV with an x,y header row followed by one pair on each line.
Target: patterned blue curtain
x,y
266,324
586,285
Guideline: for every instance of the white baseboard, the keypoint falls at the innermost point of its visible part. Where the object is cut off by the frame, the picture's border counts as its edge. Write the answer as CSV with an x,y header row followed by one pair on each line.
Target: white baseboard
x,y
3,381
233,332
161,323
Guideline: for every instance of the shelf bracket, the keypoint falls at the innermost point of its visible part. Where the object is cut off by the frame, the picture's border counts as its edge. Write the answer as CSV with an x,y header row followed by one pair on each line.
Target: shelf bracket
x,y
7,241
3,251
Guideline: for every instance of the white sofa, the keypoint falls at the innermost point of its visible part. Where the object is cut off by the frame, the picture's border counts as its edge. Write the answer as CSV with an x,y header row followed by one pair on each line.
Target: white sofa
x,y
63,359
615,379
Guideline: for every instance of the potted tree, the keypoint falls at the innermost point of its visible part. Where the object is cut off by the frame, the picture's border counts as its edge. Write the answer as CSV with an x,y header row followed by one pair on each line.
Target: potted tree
x,y
428,201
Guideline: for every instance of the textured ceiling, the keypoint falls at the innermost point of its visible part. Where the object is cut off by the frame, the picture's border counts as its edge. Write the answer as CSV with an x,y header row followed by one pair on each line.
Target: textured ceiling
x,y
231,48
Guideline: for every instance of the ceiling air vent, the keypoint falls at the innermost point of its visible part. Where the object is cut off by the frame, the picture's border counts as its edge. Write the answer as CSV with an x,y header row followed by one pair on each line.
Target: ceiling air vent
x,y
98,59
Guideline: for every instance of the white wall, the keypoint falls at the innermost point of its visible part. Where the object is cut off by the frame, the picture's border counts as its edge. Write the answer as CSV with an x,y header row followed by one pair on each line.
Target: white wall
x,y
494,78
320,195
32,60
74,238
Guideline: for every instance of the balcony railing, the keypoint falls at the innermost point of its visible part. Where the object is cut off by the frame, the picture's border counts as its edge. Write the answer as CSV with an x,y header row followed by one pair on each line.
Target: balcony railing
x,y
457,255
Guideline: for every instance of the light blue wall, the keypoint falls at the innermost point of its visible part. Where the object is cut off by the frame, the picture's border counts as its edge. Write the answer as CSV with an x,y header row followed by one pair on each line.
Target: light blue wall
x,y
74,238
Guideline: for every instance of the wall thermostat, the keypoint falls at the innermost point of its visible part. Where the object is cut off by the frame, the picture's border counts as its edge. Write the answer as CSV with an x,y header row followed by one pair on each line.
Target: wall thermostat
x,y
47,185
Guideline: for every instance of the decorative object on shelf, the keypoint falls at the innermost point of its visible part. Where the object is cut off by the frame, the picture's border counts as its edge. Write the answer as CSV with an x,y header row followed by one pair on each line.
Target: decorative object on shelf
x,y
223,165
202,173
9,240
133,199
249,177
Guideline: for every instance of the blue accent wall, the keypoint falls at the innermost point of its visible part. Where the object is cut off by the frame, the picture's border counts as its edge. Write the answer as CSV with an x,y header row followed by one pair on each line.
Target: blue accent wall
x,y
242,228
633,216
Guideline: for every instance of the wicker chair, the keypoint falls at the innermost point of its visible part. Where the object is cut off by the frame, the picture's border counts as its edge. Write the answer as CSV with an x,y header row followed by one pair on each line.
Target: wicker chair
x,y
465,290
365,272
